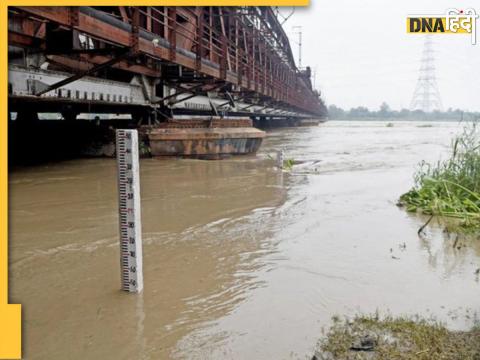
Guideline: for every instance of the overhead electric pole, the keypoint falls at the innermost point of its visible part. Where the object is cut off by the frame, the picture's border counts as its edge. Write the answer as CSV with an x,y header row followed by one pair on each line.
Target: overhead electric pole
x,y
299,33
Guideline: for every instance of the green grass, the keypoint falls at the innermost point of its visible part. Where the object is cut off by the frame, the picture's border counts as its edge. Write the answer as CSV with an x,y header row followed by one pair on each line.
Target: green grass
x,y
288,164
451,188
398,338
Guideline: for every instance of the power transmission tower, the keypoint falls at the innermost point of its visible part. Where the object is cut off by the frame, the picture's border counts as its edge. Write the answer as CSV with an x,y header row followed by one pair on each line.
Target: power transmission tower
x,y
426,96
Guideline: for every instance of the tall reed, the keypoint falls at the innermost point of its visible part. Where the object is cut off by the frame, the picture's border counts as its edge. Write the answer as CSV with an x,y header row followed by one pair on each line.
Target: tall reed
x,y
451,187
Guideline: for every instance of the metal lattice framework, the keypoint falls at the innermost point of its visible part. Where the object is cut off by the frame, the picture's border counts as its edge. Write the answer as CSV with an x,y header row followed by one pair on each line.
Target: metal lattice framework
x,y
426,96
241,53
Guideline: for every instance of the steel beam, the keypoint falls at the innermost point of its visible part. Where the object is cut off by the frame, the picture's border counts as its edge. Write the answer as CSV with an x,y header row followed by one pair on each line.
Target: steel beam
x,y
78,76
243,47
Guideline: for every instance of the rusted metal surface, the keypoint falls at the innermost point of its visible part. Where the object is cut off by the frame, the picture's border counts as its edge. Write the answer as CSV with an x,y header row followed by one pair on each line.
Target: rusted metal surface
x,y
245,48
195,142
213,137
207,123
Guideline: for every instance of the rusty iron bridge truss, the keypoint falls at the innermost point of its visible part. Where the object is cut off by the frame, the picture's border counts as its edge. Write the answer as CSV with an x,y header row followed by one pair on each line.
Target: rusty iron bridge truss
x,y
156,62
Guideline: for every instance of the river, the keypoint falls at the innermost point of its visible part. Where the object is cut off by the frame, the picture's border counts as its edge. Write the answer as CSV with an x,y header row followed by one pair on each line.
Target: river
x,y
241,260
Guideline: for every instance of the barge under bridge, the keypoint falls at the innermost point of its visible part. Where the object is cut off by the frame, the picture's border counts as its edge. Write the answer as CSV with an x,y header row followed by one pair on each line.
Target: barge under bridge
x,y
153,64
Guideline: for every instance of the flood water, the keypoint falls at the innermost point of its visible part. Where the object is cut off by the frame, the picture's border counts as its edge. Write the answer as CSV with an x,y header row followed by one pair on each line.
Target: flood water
x,y
241,261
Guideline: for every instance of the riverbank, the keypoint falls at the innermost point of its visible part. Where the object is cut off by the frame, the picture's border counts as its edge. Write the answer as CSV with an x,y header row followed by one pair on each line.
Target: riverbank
x,y
374,338
451,188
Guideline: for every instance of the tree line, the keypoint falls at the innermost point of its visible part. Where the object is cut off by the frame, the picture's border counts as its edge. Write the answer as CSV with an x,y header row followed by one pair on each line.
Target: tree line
x,y
385,112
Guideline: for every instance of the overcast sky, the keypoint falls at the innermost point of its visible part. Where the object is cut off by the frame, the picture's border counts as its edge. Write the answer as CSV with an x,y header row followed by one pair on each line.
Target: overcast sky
x,y
363,55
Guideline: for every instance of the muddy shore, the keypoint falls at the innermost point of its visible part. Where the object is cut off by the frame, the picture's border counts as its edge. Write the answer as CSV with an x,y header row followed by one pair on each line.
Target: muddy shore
x,y
377,338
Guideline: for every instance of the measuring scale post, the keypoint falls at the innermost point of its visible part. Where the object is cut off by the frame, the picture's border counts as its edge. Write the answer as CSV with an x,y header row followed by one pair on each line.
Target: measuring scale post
x,y
129,210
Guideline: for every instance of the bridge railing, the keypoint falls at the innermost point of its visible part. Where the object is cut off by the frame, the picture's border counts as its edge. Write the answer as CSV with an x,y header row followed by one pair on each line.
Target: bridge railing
x,y
226,43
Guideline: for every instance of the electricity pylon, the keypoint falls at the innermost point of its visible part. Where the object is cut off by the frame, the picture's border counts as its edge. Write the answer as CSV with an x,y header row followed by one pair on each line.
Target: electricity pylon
x,y
426,96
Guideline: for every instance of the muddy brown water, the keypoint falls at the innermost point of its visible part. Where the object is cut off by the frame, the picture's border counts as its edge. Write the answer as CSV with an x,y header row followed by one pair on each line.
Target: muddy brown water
x,y
241,261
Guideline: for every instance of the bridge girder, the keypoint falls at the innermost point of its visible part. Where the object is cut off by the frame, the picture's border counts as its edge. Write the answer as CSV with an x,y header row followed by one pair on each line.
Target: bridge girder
x,y
244,47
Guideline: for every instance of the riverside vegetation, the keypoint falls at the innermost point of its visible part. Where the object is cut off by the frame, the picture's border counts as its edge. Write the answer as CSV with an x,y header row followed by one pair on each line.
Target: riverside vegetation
x,y
387,338
451,188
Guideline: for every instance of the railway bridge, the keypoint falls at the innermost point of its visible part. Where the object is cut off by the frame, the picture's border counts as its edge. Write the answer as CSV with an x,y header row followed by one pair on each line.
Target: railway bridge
x,y
151,65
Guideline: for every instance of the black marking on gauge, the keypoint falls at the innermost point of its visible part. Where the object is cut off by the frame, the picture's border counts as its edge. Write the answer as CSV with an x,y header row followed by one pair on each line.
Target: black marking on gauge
x,y
129,210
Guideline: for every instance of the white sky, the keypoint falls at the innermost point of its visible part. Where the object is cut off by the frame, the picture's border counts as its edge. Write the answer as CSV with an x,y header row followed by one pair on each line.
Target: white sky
x,y
363,55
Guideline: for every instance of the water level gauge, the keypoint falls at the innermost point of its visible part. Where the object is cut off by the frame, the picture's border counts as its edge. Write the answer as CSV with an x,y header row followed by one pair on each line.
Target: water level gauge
x,y
129,210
